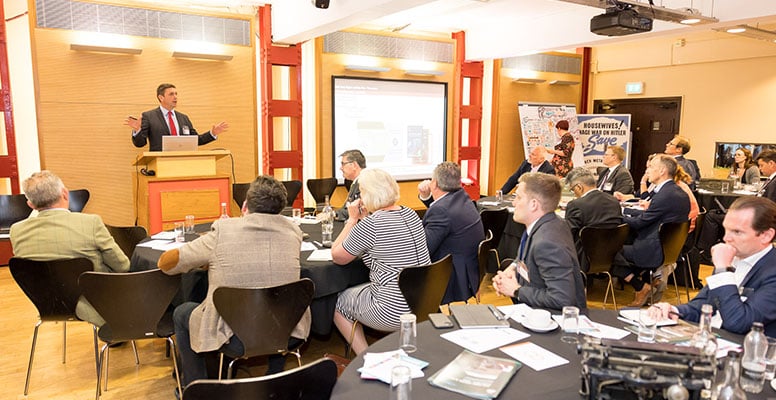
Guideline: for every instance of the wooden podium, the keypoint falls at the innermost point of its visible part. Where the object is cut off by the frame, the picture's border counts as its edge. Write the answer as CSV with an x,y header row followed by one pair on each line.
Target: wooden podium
x,y
185,183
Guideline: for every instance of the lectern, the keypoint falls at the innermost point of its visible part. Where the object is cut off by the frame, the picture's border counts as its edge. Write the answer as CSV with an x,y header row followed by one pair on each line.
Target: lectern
x,y
185,183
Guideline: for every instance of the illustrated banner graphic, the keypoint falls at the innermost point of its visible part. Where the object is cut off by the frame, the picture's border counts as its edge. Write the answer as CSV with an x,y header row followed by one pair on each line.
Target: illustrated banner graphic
x,y
537,122
598,131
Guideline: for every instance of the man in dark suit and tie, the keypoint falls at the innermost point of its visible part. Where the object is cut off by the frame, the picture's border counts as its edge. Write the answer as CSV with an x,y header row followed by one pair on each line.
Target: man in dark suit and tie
x,y
153,124
669,203
678,147
546,272
351,164
535,163
592,207
743,285
453,226
613,176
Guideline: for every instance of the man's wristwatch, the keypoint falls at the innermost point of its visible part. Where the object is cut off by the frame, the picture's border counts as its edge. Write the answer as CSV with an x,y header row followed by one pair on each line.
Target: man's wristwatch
x,y
516,293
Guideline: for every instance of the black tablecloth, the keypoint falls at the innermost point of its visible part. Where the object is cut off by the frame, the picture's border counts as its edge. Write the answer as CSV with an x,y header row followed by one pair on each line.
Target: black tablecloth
x,y
562,382
510,238
706,199
329,278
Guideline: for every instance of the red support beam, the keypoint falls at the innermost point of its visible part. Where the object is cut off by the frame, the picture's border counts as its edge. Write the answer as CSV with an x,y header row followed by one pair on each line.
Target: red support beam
x,y
8,163
469,153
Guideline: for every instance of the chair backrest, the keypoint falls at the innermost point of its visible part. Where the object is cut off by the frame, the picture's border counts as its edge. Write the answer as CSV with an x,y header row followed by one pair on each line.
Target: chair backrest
x,y
263,318
78,200
495,220
313,381
127,237
52,286
601,245
321,187
696,233
292,188
424,286
483,253
132,303
240,192
672,238
13,208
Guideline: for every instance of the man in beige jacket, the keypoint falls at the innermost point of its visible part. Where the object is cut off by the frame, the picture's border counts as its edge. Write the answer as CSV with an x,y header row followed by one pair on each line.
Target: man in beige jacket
x,y
259,249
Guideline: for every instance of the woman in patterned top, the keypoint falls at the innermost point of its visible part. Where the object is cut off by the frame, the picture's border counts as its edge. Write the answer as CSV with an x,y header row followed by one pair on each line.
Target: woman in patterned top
x,y
388,238
561,160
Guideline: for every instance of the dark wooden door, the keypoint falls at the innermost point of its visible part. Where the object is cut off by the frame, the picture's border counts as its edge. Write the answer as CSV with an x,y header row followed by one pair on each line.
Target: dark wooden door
x,y
654,122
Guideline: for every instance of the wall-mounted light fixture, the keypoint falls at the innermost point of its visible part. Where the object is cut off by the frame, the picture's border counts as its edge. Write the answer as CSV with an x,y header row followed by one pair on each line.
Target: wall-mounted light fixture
x,y
202,56
423,72
530,80
749,32
566,83
366,68
104,49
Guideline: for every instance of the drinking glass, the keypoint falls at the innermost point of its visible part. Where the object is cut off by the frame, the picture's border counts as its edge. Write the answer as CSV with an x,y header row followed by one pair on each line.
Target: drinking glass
x,y
570,324
408,333
401,383
725,187
499,196
296,214
647,326
180,232
189,225
770,360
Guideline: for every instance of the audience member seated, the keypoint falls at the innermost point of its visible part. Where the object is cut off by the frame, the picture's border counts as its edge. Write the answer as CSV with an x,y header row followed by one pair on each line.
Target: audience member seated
x,y
713,230
351,164
56,233
613,176
453,226
389,238
591,207
744,168
259,249
743,285
678,147
546,272
669,203
536,162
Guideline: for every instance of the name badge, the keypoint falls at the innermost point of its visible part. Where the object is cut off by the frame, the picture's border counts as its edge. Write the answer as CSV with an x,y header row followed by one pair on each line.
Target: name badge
x,y
608,187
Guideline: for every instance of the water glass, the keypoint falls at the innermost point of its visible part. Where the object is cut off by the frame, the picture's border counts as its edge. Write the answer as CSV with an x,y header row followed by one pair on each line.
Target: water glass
x,y
770,360
296,214
408,333
725,187
499,196
189,224
647,326
570,324
401,383
180,232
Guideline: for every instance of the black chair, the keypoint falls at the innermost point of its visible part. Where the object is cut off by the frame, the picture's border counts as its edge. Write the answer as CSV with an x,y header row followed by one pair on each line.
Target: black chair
x,y
134,306
263,318
320,188
13,208
127,237
314,381
52,286
601,245
423,287
78,200
240,192
483,259
672,238
690,246
292,188
495,221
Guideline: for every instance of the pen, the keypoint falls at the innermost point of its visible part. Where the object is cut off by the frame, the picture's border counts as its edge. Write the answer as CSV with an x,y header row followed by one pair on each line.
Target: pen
x,y
496,313
317,243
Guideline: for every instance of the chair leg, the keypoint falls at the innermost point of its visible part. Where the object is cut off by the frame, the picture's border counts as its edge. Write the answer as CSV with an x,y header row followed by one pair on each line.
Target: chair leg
x,y
298,356
171,345
102,363
96,350
134,348
229,373
348,345
220,366
106,362
32,355
64,340
687,276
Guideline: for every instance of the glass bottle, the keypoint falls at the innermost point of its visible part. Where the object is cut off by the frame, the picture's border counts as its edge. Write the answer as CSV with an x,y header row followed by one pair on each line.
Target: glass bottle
x,y
728,388
224,211
327,223
753,361
704,339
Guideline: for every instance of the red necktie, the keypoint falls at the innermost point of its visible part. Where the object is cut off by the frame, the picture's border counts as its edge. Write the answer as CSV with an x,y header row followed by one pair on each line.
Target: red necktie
x,y
170,122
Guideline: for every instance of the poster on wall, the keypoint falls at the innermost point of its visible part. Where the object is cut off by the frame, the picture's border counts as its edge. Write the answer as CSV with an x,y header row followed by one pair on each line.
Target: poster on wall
x,y
598,131
537,121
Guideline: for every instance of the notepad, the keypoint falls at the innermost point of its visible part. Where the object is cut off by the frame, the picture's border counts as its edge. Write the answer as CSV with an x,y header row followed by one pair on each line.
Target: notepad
x,y
478,316
320,255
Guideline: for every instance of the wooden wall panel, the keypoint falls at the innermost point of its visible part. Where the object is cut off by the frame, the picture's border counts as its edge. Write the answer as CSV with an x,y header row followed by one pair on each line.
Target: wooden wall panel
x,y
83,99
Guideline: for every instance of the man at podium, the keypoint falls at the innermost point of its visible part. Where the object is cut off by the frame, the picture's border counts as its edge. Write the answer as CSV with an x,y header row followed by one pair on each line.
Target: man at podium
x,y
153,124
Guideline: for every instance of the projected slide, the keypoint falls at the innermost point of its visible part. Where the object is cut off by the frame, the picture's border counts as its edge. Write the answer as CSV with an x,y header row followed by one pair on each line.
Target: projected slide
x,y
400,126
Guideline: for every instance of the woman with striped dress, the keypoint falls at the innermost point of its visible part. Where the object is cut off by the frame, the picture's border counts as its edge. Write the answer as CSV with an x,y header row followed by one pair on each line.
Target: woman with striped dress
x,y
388,238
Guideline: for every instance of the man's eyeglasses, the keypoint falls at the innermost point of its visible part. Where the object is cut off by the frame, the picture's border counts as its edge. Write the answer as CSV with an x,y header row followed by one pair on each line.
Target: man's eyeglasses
x,y
342,164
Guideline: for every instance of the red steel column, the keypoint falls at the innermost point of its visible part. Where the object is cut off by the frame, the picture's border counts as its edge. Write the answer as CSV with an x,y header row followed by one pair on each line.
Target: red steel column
x,y
8,164
470,152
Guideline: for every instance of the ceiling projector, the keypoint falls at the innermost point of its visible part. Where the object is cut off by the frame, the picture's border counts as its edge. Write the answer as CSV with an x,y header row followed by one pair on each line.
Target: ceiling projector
x,y
619,22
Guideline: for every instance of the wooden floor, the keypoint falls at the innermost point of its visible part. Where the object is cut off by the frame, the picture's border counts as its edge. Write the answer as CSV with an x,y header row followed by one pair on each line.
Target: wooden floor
x,y
151,379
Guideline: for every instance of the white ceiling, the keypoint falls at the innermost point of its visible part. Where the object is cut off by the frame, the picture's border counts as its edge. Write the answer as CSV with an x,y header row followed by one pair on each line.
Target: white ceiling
x,y
494,28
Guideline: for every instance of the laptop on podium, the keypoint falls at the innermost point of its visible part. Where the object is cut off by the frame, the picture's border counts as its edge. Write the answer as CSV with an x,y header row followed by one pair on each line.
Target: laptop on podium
x,y
180,143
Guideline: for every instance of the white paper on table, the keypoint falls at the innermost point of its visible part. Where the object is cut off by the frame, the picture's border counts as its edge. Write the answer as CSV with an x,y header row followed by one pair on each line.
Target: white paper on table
x,y
379,365
534,356
632,314
305,220
168,246
307,246
153,243
320,255
704,191
724,345
595,329
479,340
489,203
165,235
517,312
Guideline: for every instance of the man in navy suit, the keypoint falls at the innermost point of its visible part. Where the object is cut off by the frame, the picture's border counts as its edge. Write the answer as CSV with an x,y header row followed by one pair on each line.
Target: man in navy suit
x,y
546,272
453,226
678,147
613,176
592,207
153,124
743,287
669,203
536,162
